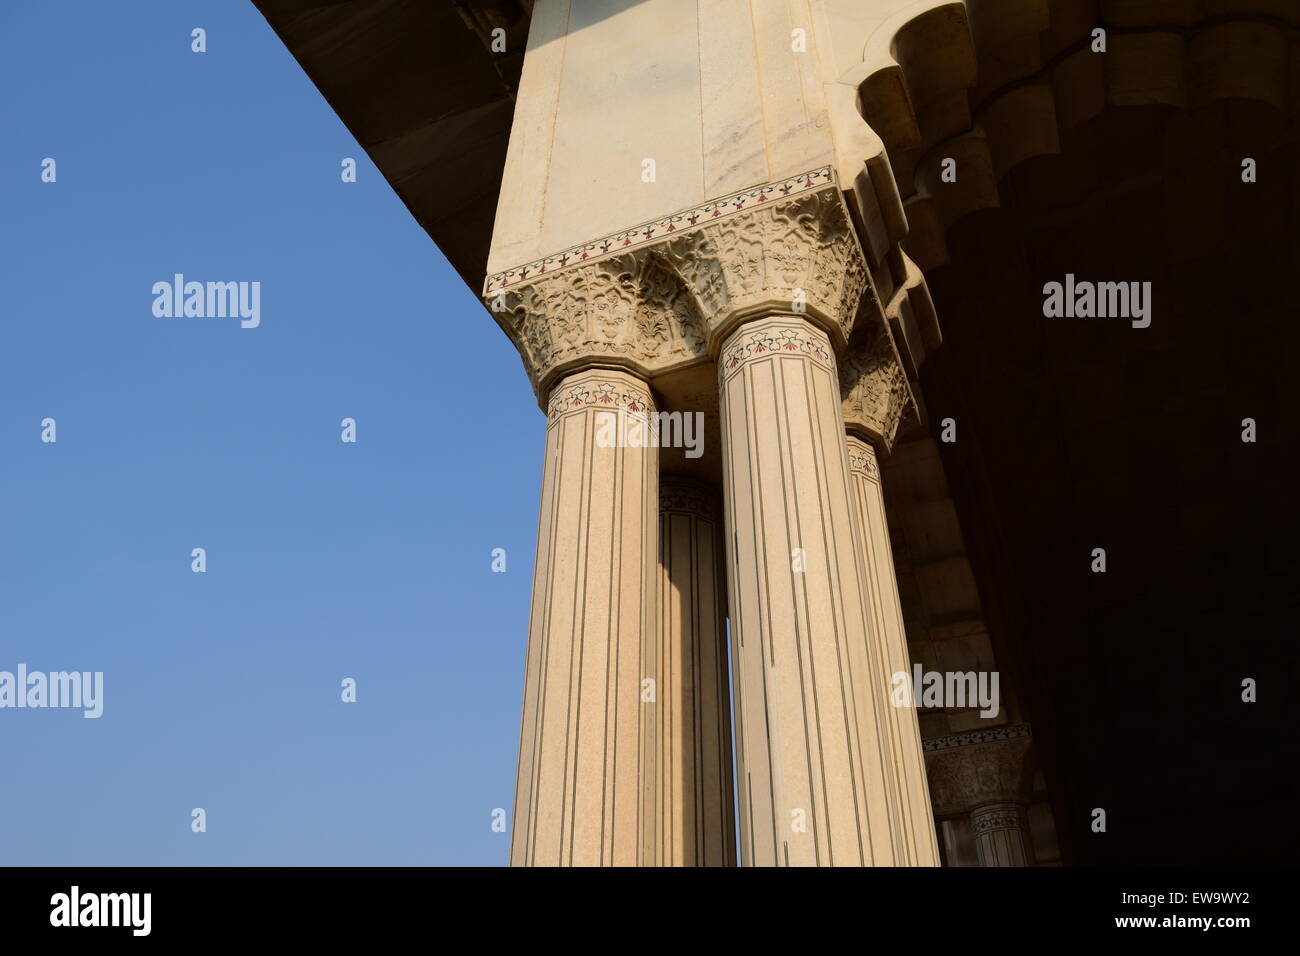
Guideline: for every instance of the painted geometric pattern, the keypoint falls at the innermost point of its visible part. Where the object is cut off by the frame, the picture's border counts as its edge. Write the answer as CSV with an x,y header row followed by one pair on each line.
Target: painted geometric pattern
x,y
971,738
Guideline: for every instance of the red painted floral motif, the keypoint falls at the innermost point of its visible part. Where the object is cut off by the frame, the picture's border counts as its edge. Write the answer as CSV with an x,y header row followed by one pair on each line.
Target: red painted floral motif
x,y
771,340
587,394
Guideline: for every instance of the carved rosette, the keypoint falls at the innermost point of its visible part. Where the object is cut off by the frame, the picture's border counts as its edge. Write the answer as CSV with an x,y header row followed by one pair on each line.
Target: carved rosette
x,y
876,397
666,304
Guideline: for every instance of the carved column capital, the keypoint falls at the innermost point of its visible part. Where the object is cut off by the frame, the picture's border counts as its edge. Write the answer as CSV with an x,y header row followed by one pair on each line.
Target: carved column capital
x,y
664,295
686,496
978,769
876,397
798,255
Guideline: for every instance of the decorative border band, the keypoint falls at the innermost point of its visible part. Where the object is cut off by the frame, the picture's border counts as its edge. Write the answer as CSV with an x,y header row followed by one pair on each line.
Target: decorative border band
x,y
778,337
682,221
970,738
863,460
597,391
997,817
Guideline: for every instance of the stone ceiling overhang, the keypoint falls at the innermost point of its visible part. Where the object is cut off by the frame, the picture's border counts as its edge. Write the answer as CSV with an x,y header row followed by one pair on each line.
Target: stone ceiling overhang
x,y
415,83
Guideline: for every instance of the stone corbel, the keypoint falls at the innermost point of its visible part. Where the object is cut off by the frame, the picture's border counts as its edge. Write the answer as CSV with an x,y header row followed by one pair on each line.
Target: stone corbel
x,y
876,399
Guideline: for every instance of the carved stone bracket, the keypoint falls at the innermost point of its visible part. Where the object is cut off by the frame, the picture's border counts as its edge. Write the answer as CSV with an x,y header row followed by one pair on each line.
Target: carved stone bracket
x,y
876,397
668,303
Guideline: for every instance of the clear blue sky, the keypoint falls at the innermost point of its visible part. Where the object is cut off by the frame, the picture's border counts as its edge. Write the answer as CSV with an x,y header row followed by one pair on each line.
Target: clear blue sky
x,y
324,560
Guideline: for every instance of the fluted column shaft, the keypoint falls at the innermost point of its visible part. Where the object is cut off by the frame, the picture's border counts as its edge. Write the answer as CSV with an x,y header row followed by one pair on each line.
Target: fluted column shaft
x,y
916,817
1001,835
812,738
695,815
577,796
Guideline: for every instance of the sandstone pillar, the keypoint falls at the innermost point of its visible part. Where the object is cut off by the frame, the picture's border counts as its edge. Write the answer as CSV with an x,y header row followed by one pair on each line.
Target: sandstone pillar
x,y
890,638
591,630
1001,835
813,745
694,801
767,287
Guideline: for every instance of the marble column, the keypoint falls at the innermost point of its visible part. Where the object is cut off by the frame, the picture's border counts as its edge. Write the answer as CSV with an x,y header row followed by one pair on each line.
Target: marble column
x,y
887,631
812,739
590,639
694,800
1001,835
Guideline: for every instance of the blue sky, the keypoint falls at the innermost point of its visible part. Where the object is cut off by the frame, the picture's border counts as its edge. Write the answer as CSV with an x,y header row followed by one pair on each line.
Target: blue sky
x,y
325,560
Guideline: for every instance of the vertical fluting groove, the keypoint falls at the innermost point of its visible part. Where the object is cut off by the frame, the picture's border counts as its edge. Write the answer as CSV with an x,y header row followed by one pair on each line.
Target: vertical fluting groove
x,y
813,737
867,705
774,764
664,688
728,851
743,478
760,571
544,663
823,470
697,692
812,750
666,695
694,691
650,627
881,636
740,720
843,659
535,673
609,808
576,644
